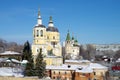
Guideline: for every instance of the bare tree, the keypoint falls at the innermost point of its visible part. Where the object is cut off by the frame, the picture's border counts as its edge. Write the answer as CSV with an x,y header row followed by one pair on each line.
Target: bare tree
x,y
89,52
10,46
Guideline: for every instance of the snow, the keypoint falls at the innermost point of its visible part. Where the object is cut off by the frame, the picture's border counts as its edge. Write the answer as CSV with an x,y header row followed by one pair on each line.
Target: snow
x,y
79,68
85,70
62,67
9,53
24,61
3,59
9,71
77,61
82,69
9,60
118,60
16,61
97,66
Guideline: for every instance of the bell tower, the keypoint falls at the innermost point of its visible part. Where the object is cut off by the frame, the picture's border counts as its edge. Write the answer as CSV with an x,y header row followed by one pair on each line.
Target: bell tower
x,y
39,36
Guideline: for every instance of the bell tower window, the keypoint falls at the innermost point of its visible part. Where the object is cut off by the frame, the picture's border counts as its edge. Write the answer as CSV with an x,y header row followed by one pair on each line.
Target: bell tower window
x,y
37,33
53,37
41,33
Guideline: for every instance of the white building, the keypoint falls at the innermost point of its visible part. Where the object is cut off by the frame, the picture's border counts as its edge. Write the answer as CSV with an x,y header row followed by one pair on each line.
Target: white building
x,y
105,47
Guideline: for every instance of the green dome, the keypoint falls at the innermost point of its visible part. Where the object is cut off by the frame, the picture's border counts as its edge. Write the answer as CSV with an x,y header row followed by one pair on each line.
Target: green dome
x,y
68,37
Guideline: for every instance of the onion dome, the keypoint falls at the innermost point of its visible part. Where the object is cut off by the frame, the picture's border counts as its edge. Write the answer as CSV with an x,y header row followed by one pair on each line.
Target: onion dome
x,y
51,27
39,21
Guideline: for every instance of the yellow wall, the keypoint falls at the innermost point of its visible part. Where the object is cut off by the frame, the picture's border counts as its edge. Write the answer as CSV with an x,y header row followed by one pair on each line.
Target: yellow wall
x,y
39,39
53,37
54,61
62,73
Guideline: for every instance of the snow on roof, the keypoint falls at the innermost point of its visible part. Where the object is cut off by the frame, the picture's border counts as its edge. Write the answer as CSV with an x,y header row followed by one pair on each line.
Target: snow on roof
x,y
24,61
86,69
8,71
78,68
77,61
97,66
14,60
9,60
62,67
118,60
82,69
9,53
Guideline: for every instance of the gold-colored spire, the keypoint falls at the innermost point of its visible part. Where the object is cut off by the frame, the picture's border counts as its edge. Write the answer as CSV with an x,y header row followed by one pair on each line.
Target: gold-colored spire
x,y
39,13
39,17
51,19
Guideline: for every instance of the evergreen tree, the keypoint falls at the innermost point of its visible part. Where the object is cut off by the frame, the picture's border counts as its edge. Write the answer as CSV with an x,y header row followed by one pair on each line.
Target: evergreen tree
x,y
27,55
26,51
40,65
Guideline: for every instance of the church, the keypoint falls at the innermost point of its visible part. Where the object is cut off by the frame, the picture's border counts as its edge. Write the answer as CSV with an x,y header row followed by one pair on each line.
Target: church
x,y
47,39
72,47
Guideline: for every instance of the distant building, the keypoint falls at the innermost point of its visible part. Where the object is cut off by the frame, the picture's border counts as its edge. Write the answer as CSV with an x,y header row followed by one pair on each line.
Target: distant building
x,y
11,54
105,47
115,70
72,47
47,39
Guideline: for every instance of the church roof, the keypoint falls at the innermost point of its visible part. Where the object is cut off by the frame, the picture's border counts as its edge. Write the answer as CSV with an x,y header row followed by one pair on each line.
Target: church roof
x,y
39,26
52,29
68,36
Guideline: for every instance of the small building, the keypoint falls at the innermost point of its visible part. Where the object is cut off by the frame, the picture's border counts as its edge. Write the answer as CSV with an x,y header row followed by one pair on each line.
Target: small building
x,y
76,70
63,72
11,54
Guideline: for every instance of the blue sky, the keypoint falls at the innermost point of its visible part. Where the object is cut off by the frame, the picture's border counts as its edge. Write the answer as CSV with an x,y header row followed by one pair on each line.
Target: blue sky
x,y
90,21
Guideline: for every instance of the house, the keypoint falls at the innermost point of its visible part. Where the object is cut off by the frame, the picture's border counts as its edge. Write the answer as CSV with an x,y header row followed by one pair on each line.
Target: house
x,y
77,70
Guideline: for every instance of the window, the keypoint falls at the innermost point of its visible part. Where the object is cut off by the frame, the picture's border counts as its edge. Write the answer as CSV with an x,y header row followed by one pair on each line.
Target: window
x,y
54,77
83,74
41,33
94,73
34,33
59,72
89,78
65,78
65,72
54,72
73,51
37,33
47,37
37,50
53,37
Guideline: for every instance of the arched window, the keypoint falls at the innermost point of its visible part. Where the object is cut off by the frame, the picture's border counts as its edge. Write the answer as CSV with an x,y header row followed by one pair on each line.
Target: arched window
x,y
41,33
53,37
37,50
34,33
47,37
37,33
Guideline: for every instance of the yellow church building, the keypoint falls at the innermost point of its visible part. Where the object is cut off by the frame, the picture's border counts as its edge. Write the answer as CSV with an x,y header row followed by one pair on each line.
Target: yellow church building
x,y
47,39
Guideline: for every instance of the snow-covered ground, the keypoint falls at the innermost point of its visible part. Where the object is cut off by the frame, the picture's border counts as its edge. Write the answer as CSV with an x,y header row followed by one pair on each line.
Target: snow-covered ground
x,y
9,71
